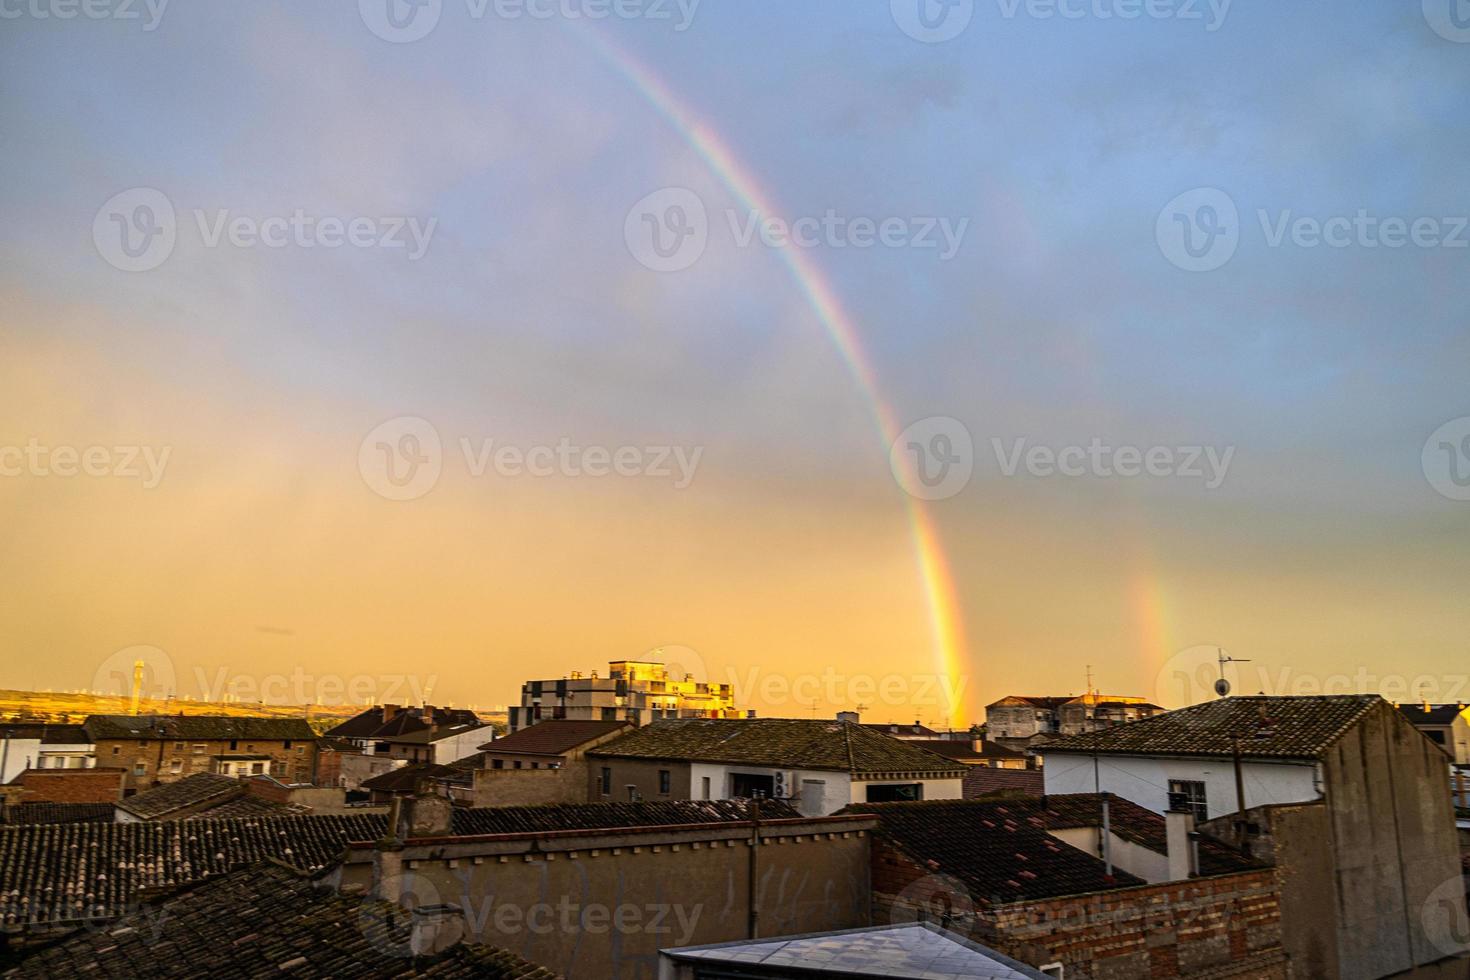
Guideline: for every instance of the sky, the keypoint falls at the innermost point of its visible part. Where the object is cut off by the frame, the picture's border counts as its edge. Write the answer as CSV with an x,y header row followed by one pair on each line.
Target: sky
x,y
896,355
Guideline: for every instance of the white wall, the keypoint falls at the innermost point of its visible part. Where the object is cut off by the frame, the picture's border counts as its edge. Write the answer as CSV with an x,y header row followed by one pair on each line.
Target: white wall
x,y
19,754
457,747
1145,781
834,794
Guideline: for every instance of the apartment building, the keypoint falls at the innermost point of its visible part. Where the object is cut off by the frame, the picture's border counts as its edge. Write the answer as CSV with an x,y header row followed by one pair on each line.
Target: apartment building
x,y
636,691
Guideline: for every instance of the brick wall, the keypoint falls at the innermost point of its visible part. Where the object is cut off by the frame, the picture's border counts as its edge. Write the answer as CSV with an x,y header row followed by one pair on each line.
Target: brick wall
x,y
1224,926
71,785
149,762
531,787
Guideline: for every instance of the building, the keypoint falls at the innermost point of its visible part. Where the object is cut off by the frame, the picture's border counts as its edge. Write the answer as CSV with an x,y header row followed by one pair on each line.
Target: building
x,y
1042,881
99,784
1342,794
155,749
596,891
1018,721
915,732
309,931
820,766
43,746
441,742
541,764
976,752
916,951
376,730
1446,725
635,691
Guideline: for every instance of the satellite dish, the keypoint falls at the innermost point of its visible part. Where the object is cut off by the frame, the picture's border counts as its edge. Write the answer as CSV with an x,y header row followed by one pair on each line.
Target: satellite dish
x,y
1222,687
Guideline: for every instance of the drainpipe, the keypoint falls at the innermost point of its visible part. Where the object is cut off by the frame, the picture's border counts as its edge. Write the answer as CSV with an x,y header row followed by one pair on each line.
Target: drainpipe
x,y
1239,798
753,927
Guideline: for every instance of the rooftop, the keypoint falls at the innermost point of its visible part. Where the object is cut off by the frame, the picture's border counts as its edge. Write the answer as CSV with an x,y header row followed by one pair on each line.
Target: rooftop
x,y
370,724
211,728
917,951
191,791
965,752
999,850
553,738
38,812
1434,714
266,921
783,743
58,874
1265,727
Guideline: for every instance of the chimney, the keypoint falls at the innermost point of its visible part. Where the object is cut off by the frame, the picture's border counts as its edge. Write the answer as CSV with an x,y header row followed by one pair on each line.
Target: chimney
x,y
436,928
389,710
1179,830
848,716
426,813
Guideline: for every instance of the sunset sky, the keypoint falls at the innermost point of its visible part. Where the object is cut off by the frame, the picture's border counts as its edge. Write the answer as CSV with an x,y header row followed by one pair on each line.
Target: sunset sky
x,y
267,546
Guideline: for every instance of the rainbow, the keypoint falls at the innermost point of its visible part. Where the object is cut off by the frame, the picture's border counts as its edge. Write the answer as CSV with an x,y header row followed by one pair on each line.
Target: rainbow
x,y
945,626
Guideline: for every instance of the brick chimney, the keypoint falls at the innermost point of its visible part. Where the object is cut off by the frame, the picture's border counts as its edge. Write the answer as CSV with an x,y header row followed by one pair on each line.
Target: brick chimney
x,y
389,710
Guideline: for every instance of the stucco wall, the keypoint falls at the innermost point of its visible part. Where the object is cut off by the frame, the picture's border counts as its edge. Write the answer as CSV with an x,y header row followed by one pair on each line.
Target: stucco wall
x,y
531,787
1145,781
599,907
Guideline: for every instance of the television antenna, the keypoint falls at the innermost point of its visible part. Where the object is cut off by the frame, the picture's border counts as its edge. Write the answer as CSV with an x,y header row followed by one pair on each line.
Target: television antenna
x,y
1222,686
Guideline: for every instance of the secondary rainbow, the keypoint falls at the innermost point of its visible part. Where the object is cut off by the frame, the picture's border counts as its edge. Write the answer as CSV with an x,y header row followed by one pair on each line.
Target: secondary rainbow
x,y
944,619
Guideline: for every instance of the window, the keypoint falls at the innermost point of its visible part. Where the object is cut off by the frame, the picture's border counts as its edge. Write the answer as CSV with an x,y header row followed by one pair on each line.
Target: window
x,y
178,746
257,768
234,744
176,765
140,769
115,750
516,764
606,781
665,782
704,785
746,785
895,792
535,765
1189,794
497,763
1054,970
287,743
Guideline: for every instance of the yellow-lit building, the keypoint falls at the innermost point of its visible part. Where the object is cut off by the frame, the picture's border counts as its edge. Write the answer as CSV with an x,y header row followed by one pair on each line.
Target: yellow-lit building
x,y
637,691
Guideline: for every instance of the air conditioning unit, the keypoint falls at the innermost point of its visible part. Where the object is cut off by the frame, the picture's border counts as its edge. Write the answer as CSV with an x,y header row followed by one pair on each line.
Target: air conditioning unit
x,y
785,785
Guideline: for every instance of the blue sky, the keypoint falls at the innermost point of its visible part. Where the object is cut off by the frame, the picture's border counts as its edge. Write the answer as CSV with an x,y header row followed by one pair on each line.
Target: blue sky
x,y
1060,319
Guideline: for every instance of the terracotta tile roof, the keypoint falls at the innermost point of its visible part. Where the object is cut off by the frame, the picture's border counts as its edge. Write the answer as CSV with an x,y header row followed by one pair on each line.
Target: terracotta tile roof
x,y
1268,727
1047,704
35,812
982,781
266,921
790,743
405,779
964,752
198,727
248,806
552,737
58,874
594,816
1000,851
405,721
912,731
191,791
47,733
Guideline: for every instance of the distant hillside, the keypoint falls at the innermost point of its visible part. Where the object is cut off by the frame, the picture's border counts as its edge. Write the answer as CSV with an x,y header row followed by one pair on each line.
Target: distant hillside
x,y
53,706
